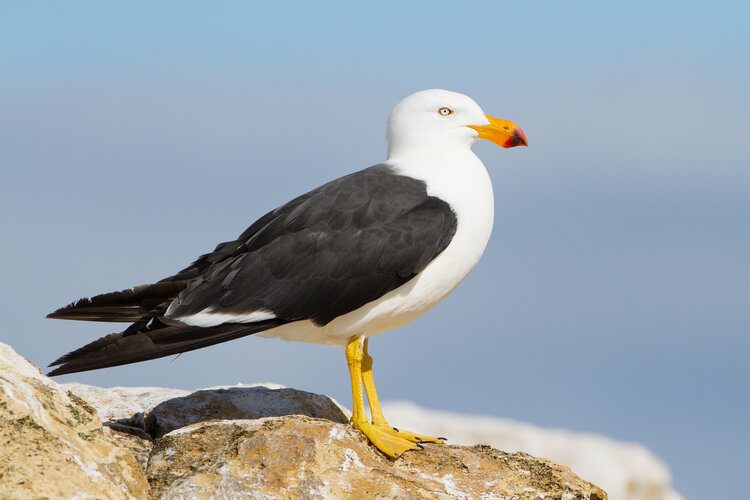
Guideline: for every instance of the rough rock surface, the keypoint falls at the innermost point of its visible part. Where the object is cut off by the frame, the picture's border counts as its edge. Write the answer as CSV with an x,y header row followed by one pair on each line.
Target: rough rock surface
x,y
51,439
239,403
225,442
302,457
626,471
259,441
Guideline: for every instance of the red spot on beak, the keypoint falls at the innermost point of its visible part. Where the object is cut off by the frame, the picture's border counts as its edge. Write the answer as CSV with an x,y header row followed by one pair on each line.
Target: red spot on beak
x,y
517,139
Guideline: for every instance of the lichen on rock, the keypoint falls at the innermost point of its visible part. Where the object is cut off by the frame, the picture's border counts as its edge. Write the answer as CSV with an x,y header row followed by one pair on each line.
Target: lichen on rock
x,y
259,441
302,457
52,443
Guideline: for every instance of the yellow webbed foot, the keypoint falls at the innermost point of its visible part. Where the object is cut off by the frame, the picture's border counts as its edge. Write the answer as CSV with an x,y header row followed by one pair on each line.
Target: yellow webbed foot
x,y
386,439
391,441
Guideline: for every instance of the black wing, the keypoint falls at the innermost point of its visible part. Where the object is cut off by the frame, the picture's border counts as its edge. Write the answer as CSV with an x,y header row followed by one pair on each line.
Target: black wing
x,y
323,254
326,253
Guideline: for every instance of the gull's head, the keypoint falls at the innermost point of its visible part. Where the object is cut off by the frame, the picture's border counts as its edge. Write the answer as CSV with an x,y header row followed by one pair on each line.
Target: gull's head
x,y
439,119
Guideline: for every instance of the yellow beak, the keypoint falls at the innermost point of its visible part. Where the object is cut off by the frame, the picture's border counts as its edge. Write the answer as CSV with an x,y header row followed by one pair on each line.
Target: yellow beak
x,y
502,132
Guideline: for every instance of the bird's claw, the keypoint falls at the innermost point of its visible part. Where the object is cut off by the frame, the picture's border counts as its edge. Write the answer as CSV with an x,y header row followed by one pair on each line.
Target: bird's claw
x,y
391,441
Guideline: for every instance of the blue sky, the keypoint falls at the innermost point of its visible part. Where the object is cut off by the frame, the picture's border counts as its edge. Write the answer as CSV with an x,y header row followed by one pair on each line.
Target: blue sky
x,y
614,296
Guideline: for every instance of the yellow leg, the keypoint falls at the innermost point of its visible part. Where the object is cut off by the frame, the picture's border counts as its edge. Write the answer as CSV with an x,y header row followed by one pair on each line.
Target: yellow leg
x,y
372,395
377,414
354,360
390,441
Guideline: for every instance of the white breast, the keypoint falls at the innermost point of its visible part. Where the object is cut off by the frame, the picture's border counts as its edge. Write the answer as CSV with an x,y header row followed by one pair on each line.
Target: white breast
x,y
459,178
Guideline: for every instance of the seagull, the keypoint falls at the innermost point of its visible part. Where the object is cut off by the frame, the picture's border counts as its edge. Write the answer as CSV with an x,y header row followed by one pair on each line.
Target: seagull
x,y
363,254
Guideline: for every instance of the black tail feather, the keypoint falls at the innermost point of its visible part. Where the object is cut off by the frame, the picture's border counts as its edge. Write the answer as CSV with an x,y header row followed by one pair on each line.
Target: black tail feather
x,y
124,306
124,348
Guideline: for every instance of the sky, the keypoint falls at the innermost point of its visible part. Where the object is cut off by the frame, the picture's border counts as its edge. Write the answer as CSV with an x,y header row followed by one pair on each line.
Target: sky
x,y
613,297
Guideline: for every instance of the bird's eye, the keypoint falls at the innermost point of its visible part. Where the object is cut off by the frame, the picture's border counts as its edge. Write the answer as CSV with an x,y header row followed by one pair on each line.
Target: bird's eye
x,y
445,111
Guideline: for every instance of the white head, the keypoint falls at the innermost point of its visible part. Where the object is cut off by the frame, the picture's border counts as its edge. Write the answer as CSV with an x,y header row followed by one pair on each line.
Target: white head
x,y
439,119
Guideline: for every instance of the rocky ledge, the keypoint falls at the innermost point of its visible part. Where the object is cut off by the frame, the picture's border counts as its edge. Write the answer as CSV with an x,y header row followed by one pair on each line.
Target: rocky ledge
x,y
263,441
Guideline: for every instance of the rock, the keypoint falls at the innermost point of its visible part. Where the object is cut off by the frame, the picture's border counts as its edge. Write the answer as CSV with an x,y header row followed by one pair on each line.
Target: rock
x,y
226,441
158,411
122,403
260,441
627,471
249,402
303,457
52,443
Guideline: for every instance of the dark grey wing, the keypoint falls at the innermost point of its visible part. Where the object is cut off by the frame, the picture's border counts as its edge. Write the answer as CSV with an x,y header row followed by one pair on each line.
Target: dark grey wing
x,y
321,255
151,342
326,253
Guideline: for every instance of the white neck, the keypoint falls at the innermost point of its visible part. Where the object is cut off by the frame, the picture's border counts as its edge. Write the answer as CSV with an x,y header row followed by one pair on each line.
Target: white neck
x,y
437,145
